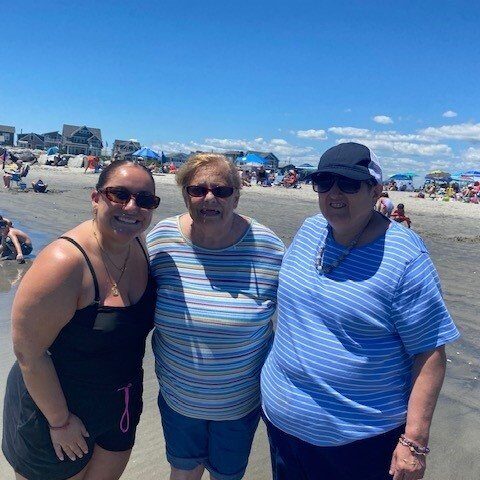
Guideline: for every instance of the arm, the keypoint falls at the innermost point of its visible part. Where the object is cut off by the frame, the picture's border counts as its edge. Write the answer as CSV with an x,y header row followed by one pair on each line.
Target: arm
x,y
45,302
16,244
428,374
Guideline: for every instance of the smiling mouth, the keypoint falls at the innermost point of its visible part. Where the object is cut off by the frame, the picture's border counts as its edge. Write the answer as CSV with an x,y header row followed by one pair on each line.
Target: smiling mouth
x,y
209,212
127,220
337,204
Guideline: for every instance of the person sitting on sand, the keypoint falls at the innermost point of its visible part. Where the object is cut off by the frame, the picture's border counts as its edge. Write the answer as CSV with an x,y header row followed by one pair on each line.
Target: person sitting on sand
x,y
246,179
291,180
399,215
384,205
39,186
14,243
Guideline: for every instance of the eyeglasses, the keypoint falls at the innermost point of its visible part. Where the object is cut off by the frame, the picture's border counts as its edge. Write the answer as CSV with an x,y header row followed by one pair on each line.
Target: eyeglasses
x,y
122,195
323,182
222,191
3,224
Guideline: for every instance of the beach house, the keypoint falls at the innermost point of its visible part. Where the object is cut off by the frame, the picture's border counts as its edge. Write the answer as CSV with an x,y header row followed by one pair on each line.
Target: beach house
x,y
81,140
52,139
7,135
31,140
123,149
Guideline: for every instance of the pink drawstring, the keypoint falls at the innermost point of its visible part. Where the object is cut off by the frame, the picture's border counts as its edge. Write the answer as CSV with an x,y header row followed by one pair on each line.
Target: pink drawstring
x,y
126,413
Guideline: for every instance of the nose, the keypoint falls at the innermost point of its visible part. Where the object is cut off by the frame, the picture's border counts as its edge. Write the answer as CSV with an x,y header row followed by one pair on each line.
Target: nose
x,y
335,190
131,205
209,195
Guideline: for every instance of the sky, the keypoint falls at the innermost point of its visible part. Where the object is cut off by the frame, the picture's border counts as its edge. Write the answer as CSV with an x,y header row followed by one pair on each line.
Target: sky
x,y
290,77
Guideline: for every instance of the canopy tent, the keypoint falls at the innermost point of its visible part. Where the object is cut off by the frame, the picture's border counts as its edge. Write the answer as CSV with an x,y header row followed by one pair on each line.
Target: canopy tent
x,y
288,167
146,153
470,176
52,151
252,160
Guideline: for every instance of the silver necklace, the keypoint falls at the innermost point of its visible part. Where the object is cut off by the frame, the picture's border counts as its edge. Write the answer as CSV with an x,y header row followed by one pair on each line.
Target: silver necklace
x,y
326,268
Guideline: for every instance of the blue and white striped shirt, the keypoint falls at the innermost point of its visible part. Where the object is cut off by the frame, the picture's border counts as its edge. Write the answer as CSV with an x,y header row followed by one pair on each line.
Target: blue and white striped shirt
x,y
340,366
213,326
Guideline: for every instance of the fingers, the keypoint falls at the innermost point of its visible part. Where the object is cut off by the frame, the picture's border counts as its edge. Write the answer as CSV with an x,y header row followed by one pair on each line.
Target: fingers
x,y
82,444
68,452
58,451
76,450
84,431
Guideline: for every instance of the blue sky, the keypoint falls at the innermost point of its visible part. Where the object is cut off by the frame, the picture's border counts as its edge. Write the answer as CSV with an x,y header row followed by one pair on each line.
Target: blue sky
x,y
290,77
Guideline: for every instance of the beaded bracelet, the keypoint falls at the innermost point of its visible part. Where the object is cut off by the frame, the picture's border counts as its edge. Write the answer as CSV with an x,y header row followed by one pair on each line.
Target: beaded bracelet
x,y
61,427
414,447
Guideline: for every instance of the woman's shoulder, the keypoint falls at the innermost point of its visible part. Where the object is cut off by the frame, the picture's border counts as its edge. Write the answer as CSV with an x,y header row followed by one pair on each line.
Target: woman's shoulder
x,y
406,239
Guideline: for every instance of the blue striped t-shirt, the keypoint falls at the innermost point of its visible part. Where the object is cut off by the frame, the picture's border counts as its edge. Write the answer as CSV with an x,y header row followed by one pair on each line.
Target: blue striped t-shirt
x,y
213,327
340,366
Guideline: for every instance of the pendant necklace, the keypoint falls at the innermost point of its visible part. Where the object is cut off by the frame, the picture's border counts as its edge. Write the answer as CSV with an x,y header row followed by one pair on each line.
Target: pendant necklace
x,y
114,289
326,268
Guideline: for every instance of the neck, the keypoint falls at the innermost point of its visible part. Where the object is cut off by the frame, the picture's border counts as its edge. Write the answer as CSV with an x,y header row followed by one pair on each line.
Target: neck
x,y
212,236
346,237
107,245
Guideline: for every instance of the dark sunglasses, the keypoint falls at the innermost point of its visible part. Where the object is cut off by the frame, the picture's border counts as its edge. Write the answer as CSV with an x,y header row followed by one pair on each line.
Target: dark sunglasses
x,y
323,182
3,224
221,191
122,195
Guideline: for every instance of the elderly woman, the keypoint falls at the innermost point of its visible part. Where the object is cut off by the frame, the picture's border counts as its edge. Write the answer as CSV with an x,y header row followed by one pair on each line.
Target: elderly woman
x,y
80,319
216,274
350,385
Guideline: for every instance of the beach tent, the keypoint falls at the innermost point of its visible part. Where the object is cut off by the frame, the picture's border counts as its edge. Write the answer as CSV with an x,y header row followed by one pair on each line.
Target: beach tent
x,y
288,167
52,151
146,153
251,160
470,176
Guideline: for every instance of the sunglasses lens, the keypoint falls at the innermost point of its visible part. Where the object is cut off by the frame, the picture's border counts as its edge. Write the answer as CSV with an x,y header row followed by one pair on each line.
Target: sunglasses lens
x,y
348,185
223,191
147,200
323,183
196,190
118,195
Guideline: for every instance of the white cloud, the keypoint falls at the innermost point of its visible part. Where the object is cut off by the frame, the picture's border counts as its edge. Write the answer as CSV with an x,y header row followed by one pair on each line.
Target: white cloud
x,y
350,131
315,134
460,131
405,148
383,119
449,114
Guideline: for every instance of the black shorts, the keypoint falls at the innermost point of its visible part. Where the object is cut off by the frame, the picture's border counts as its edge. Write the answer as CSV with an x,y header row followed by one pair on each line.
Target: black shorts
x,y
108,419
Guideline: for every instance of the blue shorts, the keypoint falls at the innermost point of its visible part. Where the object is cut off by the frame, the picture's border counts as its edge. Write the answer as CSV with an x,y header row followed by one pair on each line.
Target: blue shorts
x,y
223,447
367,459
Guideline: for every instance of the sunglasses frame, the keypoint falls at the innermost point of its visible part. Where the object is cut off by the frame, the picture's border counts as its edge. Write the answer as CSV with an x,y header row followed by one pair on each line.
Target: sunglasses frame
x,y
339,180
206,190
108,191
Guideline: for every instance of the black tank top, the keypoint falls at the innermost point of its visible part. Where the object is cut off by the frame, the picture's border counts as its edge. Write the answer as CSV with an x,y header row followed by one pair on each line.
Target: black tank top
x,y
104,346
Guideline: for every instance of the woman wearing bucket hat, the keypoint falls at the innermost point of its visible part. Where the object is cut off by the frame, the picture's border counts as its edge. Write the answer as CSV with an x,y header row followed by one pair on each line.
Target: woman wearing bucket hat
x,y
350,385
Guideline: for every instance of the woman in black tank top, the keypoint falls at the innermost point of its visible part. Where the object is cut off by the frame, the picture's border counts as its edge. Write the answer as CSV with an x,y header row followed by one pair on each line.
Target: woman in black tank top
x,y
80,320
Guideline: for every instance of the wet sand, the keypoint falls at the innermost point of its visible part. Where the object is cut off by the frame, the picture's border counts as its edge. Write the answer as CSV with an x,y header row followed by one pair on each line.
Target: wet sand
x,y
452,234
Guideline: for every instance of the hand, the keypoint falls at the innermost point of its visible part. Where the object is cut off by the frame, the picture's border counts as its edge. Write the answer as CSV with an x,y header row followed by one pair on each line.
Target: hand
x,y
20,258
407,465
70,440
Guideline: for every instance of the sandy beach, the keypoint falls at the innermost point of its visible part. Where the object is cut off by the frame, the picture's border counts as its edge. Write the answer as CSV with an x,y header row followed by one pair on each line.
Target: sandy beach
x,y
451,231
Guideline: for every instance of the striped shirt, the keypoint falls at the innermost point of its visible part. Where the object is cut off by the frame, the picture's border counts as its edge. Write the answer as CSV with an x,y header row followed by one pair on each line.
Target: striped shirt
x,y
213,319
340,367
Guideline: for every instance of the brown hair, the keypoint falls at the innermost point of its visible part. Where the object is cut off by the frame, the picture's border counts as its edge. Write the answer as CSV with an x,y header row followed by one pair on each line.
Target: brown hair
x,y
187,171
109,170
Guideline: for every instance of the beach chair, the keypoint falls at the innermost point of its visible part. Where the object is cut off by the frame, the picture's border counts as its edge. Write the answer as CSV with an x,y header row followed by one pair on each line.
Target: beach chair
x,y
19,177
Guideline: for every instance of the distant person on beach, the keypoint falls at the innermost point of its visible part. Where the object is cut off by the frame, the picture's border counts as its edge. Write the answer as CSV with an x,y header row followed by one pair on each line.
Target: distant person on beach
x,y
14,244
80,320
39,186
15,172
384,205
399,215
216,273
91,163
350,385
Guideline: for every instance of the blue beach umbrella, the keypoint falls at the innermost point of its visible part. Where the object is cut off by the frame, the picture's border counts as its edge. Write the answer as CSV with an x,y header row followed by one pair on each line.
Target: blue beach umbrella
x,y
252,160
146,153
401,176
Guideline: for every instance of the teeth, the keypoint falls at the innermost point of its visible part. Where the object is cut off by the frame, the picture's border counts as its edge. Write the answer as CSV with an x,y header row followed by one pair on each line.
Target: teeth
x,y
337,205
126,220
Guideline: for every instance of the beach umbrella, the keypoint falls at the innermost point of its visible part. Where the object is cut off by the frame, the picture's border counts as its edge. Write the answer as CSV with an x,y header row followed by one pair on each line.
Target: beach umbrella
x,y
307,167
146,153
52,151
438,176
401,176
